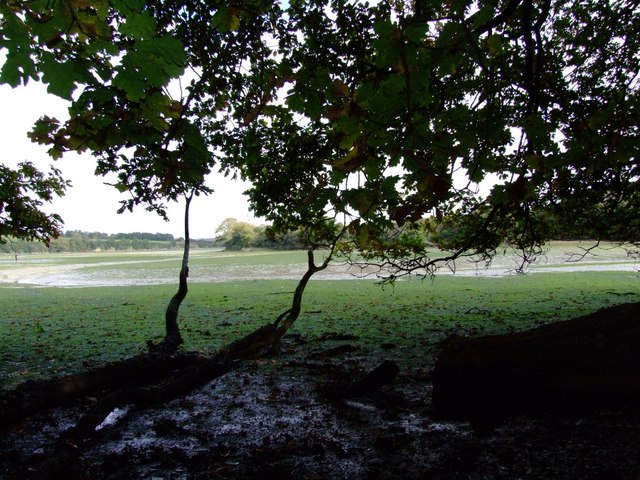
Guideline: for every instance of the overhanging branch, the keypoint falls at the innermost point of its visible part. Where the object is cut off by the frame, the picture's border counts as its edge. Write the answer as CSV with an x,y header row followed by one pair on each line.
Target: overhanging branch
x,y
499,19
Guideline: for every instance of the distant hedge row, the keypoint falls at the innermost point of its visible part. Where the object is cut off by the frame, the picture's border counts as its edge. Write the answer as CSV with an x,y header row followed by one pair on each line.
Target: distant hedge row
x,y
77,241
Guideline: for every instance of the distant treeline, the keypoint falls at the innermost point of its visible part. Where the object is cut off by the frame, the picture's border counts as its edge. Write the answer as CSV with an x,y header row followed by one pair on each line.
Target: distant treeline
x,y
230,235
78,241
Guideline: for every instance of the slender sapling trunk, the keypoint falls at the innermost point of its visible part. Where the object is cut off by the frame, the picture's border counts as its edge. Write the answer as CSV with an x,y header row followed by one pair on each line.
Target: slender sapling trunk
x,y
173,339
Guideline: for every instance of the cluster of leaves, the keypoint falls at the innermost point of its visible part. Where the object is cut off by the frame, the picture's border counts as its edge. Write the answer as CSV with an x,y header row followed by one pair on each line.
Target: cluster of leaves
x,y
112,62
22,193
236,54
390,117
395,112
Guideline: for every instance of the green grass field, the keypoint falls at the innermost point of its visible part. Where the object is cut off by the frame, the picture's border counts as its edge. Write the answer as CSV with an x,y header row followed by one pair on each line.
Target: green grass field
x,y
48,331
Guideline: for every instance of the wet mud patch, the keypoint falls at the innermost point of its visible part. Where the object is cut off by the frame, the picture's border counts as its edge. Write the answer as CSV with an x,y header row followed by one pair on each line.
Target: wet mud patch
x,y
269,419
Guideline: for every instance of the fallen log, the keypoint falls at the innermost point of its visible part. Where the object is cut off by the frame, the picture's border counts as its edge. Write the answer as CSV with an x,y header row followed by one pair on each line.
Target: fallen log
x,y
571,367
131,375
190,375
33,396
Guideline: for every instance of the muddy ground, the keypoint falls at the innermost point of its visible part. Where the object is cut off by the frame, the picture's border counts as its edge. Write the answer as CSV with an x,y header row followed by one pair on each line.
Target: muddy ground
x,y
270,419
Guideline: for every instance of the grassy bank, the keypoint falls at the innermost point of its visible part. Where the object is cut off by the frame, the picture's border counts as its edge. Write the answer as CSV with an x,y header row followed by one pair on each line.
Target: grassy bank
x,y
48,331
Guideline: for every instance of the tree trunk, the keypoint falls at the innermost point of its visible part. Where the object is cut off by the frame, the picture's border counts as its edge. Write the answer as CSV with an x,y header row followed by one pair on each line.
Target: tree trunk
x,y
570,367
33,396
173,339
269,335
291,315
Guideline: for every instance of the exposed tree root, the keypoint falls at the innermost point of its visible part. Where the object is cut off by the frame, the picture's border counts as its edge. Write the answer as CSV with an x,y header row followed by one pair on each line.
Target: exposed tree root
x,y
70,444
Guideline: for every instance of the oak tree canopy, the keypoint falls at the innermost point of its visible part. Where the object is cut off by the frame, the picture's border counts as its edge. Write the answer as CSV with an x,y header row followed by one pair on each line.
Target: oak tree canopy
x,y
463,125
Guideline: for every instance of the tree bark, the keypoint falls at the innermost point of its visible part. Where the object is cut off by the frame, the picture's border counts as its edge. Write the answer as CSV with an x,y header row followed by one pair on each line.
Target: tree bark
x,y
34,396
269,335
571,367
173,338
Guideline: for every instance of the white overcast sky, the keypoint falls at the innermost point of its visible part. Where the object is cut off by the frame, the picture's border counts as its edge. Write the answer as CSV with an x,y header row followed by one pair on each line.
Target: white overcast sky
x,y
89,204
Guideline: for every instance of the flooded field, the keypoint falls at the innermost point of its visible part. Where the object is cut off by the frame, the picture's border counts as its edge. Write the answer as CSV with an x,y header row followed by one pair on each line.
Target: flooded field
x,y
211,265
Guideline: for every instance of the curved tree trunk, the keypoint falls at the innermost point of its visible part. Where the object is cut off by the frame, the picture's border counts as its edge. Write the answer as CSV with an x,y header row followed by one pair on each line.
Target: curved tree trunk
x,y
291,315
269,335
173,339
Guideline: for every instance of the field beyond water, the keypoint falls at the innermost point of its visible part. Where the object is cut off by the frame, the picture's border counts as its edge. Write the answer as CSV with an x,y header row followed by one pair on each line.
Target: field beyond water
x,y
65,313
